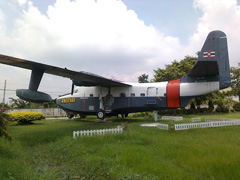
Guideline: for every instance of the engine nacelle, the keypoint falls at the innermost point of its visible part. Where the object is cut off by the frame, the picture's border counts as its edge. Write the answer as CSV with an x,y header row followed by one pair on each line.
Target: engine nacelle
x,y
33,96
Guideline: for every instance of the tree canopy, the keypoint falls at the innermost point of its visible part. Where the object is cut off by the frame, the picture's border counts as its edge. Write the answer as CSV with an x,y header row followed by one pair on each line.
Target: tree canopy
x,y
175,70
143,78
235,84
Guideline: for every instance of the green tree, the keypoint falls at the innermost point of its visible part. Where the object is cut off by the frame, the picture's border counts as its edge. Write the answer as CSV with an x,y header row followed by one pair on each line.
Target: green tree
x,y
175,70
235,85
143,78
19,103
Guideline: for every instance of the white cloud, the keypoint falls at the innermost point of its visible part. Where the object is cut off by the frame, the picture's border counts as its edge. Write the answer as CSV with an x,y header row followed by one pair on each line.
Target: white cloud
x,y
105,37
102,37
22,2
219,15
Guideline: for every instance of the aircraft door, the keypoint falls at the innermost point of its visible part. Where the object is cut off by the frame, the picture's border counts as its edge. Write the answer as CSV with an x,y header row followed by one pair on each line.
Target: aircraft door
x,y
151,94
152,91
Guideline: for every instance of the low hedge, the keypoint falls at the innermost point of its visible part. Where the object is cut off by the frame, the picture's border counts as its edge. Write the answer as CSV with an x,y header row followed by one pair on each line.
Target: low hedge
x,y
25,117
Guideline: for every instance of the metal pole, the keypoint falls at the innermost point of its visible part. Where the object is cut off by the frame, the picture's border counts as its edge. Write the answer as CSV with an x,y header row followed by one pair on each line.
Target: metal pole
x,y
155,115
4,93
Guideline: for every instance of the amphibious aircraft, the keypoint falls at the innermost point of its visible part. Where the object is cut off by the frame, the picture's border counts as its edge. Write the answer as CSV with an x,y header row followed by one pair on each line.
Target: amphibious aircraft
x,y
97,95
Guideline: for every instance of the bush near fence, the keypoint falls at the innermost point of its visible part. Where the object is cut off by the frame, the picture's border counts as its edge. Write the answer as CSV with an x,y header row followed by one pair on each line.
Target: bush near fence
x,y
236,107
24,117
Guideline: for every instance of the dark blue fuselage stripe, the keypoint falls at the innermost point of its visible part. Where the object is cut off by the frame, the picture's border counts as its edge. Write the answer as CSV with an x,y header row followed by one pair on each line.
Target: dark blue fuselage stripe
x,y
92,103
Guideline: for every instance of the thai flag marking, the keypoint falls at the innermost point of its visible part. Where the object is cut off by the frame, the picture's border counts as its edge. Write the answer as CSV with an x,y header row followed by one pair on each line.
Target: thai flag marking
x,y
208,54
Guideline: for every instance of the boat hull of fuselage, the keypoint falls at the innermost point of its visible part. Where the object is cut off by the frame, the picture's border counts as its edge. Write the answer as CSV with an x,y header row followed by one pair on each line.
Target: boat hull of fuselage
x,y
121,105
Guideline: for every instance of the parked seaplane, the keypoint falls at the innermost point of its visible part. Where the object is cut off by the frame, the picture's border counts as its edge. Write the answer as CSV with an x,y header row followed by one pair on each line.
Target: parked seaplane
x,y
97,95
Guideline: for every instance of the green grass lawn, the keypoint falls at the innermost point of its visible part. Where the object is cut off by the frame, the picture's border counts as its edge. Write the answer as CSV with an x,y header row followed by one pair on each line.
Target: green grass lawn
x,y
47,150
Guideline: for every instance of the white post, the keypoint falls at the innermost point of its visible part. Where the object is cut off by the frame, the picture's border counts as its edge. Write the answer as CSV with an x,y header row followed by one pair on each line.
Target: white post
x,y
74,135
155,115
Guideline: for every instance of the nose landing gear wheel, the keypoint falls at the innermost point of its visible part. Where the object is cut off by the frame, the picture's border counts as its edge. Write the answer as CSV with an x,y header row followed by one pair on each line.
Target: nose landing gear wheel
x,y
101,114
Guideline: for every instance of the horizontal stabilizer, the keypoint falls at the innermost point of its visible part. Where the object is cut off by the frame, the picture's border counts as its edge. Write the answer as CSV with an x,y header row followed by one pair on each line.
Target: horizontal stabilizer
x,y
204,68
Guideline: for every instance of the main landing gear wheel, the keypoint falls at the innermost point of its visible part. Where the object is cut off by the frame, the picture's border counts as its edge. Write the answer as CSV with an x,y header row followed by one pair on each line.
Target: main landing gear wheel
x,y
101,114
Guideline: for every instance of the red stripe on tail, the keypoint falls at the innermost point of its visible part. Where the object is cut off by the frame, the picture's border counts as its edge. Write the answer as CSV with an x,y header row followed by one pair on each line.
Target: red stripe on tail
x,y
173,90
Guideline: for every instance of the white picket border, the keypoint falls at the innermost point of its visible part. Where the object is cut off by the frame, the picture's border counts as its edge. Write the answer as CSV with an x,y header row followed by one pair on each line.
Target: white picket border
x,y
198,119
162,126
175,118
207,124
76,134
218,119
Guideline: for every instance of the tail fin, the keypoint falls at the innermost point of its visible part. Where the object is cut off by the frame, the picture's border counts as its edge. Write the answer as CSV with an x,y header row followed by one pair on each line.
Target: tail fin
x,y
213,59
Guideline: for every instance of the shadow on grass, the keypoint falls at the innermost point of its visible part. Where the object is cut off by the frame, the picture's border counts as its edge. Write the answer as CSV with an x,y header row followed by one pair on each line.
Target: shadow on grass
x,y
29,124
25,124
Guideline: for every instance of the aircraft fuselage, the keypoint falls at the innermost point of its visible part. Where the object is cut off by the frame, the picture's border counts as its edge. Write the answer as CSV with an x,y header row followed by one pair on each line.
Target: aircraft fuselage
x,y
138,97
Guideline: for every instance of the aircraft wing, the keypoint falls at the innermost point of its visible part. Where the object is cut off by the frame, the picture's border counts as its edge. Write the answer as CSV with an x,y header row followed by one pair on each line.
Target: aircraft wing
x,y
83,78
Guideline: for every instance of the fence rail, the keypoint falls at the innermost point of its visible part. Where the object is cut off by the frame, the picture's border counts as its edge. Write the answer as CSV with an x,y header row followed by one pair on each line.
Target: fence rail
x,y
98,131
218,119
207,124
175,118
198,119
163,126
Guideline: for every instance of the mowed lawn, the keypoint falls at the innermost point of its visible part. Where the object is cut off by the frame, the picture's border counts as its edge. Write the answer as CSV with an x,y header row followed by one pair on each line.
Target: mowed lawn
x,y
47,150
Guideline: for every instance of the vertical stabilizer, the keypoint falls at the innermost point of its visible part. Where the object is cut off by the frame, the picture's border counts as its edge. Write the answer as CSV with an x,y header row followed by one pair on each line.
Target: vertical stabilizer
x,y
213,59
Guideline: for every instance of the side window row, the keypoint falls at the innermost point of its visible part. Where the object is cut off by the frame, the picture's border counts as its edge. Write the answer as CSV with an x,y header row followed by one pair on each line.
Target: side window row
x,y
131,95
121,94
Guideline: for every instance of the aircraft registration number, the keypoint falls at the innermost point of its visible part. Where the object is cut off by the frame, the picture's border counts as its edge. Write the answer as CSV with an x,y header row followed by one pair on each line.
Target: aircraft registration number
x,y
68,100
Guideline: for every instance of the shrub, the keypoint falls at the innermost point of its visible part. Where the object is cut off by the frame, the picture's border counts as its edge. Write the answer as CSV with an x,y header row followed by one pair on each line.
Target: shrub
x,y
4,118
236,107
222,108
192,106
25,117
210,105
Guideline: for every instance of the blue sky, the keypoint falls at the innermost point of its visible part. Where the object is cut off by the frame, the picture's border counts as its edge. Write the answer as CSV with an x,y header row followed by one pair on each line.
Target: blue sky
x,y
177,18
112,38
